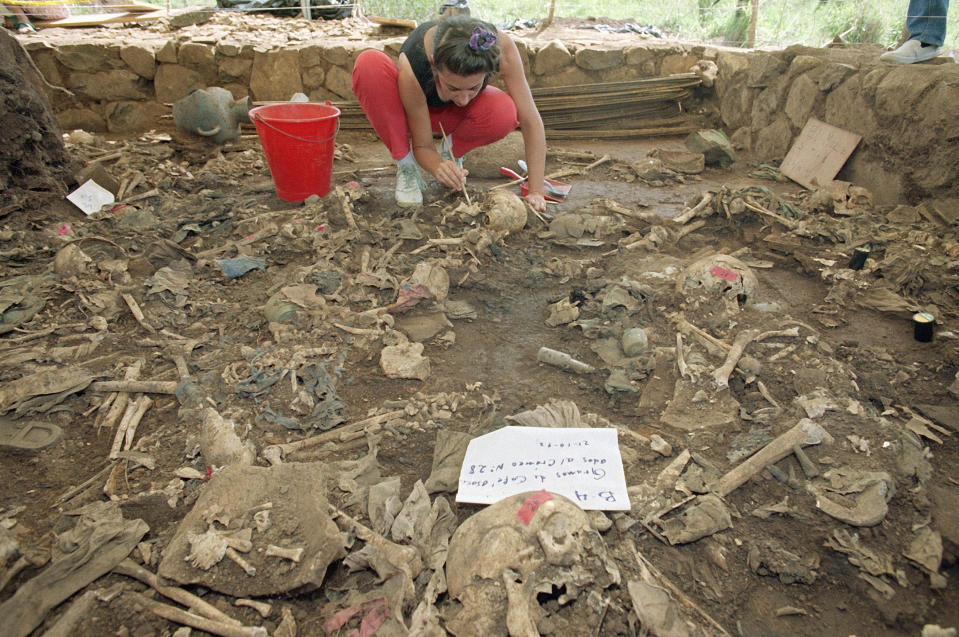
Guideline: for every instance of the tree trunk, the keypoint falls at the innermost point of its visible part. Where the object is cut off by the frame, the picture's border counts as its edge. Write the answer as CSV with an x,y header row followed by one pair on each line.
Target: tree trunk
x,y
738,25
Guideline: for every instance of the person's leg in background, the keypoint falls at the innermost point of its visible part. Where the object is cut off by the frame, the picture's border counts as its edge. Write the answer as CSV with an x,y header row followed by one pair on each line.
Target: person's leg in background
x,y
926,24
926,21
20,20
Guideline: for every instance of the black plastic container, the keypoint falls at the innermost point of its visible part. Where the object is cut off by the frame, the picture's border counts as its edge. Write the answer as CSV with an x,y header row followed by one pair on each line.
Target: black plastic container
x,y
923,325
858,259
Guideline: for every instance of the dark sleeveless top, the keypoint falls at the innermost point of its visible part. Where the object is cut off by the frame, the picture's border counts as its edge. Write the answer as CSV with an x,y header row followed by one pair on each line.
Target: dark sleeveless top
x,y
415,52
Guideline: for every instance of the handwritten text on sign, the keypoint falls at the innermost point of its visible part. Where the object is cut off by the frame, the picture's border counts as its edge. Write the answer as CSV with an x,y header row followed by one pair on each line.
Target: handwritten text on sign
x,y
582,464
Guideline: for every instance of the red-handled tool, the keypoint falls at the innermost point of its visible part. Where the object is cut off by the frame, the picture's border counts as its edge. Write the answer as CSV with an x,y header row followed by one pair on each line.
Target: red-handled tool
x,y
555,190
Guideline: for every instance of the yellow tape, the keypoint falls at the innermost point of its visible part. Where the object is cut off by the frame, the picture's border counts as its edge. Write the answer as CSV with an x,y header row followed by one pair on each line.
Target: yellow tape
x,y
34,3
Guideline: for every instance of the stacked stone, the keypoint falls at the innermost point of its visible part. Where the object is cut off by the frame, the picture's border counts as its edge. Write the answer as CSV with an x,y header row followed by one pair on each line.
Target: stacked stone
x,y
126,86
901,112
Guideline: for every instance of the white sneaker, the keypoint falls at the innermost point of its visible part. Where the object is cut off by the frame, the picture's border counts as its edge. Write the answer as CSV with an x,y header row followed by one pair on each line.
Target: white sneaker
x,y
446,154
910,53
408,180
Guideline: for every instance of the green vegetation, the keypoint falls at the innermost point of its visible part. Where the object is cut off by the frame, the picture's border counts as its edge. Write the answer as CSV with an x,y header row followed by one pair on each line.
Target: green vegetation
x,y
780,23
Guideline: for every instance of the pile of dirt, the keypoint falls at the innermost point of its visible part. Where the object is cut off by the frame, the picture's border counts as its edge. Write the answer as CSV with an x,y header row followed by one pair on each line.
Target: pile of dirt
x,y
32,154
284,394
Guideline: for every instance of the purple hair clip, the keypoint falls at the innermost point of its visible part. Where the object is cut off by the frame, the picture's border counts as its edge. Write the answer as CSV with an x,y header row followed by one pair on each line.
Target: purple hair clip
x,y
482,40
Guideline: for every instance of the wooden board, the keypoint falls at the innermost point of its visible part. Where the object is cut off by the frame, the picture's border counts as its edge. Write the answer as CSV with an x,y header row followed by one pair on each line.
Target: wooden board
x,y
98,19
818,154
133,7
392,22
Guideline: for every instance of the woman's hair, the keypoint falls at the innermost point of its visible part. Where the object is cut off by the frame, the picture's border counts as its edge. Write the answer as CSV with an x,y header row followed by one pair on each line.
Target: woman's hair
x,y
465,46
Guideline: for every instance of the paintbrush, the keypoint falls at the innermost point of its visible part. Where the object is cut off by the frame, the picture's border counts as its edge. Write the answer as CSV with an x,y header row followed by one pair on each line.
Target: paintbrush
x,y
446,140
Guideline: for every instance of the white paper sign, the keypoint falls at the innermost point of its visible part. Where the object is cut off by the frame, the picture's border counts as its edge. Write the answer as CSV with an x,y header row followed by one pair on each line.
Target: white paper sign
x,y
582,464
90,197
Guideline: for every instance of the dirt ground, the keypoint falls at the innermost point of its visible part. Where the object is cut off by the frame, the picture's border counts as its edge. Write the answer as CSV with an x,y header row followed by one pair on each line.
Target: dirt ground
x,y
332,268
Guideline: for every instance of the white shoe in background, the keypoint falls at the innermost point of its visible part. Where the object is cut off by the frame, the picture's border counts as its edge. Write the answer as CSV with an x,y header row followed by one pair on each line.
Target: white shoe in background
x,y
910,53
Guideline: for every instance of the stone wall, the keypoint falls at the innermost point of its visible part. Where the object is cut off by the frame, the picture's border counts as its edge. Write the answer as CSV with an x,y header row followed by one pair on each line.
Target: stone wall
x,y
124,84
125,80
908,116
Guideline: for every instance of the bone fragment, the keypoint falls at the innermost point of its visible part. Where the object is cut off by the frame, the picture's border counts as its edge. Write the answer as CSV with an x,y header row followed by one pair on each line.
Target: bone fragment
x,y
687,215
680,359
693,227
135,386
180,616
83,486
337,434
808,466
430,243
120,399
273,454
242,563
673,470
711,342
563,361
721,374
347,207
263,608
291,554
181,366
755,207
31,557
615,206
77,612
805,432
141,407
121,431
287,627
660,446
768,396
359,331
791,331
519,620
786,351
137,313
131,569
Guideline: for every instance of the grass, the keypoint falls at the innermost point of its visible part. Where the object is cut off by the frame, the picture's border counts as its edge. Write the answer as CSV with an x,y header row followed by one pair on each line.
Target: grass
x,y
780,22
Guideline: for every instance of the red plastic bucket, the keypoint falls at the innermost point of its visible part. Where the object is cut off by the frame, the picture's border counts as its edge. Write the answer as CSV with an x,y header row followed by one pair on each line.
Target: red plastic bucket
x,y
297,139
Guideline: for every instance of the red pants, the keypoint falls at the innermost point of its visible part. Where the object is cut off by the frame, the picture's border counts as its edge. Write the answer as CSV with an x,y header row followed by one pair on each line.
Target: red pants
x,y
488,117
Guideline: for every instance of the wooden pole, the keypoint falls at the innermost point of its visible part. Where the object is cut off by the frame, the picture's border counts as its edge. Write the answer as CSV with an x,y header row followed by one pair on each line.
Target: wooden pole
x,y
751,40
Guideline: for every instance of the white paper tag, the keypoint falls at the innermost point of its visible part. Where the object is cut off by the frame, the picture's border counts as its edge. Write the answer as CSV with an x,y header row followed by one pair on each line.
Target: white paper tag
x,y
90,197
582,464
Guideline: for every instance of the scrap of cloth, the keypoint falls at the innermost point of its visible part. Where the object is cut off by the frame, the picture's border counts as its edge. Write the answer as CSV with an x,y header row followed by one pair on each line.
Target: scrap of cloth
x,y
100,540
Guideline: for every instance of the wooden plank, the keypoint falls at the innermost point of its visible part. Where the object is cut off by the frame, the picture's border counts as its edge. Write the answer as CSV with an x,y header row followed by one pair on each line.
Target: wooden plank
x,y
133,7
818,154
392,22
99,19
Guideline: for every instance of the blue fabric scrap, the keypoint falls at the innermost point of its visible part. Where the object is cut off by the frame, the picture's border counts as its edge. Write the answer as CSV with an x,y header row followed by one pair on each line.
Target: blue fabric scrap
x,y
238,266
